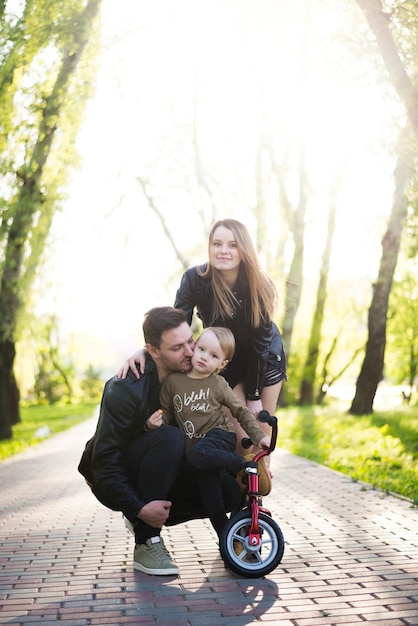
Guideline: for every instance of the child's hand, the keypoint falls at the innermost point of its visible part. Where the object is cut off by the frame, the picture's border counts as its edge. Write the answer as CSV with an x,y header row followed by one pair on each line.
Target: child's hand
x,y
156,420
265,443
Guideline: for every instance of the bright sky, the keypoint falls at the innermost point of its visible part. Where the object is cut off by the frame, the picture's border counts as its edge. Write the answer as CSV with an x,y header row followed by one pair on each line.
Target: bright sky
x,y
232,65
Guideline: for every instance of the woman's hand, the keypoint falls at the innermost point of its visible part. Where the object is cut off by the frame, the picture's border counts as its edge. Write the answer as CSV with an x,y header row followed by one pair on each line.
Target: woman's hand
x,y
137,357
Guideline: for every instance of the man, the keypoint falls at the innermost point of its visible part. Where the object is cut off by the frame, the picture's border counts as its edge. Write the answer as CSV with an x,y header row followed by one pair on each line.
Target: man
x,y
143,473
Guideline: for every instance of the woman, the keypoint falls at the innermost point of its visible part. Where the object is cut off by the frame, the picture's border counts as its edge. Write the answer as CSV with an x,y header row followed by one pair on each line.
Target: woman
x,y
232,290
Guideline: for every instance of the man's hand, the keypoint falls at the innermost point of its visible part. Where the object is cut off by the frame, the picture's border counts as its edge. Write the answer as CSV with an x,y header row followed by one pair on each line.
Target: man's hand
x,y
155,513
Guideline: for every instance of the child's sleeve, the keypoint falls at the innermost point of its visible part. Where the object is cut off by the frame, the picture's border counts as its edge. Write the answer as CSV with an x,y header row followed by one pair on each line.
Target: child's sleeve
x,y
166,402
241,413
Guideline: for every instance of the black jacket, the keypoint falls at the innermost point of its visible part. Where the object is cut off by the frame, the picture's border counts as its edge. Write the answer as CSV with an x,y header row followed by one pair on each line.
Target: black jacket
x,y
255,347
125,407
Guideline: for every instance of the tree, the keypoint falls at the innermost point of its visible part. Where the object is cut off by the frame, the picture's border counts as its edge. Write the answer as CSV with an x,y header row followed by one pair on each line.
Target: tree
x,y
371,372
326,379
91,385
45,82
54,378
294,279
394,53
311,363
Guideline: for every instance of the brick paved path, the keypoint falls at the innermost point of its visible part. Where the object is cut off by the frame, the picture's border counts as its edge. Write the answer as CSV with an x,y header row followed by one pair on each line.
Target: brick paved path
x,y
351,553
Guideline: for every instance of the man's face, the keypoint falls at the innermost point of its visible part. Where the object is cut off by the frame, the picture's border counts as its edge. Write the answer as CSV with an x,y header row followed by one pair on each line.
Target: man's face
x,y
175,351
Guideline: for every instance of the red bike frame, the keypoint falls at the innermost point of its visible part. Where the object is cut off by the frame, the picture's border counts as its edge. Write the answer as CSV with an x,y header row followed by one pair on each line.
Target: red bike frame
x,y
253,501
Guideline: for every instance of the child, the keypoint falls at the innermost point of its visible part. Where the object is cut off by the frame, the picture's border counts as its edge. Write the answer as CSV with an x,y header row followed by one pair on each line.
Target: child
x,y
195,400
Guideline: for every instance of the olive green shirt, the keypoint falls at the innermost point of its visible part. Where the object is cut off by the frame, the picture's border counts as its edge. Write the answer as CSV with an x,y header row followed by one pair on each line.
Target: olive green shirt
x,y
196,405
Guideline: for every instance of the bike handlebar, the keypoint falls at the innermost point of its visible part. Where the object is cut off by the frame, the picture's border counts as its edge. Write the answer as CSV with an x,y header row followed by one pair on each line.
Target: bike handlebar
x,y
264,416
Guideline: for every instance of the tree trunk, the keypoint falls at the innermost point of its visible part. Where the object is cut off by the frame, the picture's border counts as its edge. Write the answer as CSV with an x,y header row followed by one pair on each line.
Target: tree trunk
x,y
327,381
371,372
9,393
309,371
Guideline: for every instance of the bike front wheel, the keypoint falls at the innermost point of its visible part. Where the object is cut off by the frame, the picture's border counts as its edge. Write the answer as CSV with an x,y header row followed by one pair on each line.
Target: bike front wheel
x,y
247,560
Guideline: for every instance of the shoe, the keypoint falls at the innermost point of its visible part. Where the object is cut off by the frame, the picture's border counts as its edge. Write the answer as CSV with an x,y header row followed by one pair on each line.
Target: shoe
x,y
264,479
152,557
129,525
238,547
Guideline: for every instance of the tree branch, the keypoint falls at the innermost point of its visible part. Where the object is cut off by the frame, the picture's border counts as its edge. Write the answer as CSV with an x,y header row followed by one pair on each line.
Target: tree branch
x,y
379,23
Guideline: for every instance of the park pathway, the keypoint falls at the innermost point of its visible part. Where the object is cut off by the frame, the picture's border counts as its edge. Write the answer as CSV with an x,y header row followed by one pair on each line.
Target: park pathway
x,y
351,553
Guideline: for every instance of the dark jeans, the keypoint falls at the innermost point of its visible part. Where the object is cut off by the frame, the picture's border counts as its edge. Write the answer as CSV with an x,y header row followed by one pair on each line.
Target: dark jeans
x,y
214,456
158,470
153,461
216,451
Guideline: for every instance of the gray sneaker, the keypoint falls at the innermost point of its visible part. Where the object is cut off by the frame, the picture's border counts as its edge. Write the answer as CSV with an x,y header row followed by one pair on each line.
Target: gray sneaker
x,y
152,557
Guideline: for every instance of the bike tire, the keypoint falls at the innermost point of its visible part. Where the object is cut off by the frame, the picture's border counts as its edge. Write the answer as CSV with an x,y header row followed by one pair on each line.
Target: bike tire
x,y
240,557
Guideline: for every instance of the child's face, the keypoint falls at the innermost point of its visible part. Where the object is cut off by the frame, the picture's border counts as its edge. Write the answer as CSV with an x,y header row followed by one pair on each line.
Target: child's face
x,y
208,356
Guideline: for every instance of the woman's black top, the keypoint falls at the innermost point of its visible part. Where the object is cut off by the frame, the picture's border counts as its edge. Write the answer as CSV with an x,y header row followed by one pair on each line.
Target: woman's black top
x,y
255,347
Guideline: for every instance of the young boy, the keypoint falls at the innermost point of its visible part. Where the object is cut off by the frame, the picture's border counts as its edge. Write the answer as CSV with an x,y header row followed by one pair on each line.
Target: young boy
x,y
195,400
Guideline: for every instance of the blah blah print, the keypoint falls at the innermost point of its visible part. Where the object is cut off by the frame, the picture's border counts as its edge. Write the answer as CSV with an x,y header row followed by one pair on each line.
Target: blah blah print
x,y
196,401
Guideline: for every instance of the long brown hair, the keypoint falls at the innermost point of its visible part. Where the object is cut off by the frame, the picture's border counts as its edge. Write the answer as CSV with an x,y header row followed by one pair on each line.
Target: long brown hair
x,y
263,294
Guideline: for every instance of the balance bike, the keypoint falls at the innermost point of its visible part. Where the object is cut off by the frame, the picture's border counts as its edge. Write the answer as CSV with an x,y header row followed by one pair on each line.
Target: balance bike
x,y
252,543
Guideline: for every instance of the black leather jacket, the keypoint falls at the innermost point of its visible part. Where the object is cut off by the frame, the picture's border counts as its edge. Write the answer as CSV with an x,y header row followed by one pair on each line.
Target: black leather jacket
x,y
255,347
125,407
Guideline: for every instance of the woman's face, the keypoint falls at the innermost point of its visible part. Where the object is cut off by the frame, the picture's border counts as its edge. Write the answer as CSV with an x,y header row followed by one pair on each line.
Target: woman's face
x,y
223,251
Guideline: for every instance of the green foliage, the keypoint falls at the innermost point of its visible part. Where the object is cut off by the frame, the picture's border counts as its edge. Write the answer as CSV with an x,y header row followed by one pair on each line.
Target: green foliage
x,y
55,374
92,385
56,418
342,341
52,383
380,449
402,330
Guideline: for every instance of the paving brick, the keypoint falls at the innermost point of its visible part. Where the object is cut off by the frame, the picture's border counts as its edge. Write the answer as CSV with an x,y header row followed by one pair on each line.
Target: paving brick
x,y
351,554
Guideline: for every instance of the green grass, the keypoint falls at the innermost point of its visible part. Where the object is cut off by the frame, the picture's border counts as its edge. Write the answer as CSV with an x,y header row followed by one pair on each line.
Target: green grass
x,y
380,449
57,418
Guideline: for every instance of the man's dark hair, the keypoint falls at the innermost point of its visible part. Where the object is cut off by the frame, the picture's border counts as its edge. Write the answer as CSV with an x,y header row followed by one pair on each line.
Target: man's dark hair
x,y
159,319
